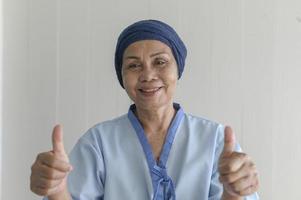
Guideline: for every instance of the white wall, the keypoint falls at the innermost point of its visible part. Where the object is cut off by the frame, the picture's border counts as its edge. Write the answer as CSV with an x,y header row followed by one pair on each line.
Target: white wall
x,y
1,89
243,69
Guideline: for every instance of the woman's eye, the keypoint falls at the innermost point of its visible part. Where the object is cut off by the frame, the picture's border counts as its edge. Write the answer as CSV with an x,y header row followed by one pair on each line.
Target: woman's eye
x,y
133,65
161,62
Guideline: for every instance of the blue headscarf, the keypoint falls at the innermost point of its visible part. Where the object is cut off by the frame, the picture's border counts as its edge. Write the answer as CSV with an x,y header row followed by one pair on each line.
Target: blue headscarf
x,y
150,30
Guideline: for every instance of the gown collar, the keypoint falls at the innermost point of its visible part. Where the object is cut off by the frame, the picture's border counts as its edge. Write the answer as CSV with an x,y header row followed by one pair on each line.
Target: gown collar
x,y
161,180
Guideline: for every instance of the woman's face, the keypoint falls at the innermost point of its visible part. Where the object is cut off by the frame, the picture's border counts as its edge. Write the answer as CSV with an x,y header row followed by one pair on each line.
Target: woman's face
x,y
149,73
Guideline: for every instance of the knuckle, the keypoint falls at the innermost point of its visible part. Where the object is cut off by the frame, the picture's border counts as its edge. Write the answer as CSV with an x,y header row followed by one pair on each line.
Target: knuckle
x,y
243,193
252,166
51,161
248,157
39,191
40,156
227,167
243,156
34,167
249,178
230,167
223,179
48,184
44,191
227,178
249,174
253,174
50,174
230,179
234,187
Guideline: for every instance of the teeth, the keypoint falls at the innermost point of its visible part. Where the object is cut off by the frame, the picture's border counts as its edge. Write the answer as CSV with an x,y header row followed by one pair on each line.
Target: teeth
x,y
150,90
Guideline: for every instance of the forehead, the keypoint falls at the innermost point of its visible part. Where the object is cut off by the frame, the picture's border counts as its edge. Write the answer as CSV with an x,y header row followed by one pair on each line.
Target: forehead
x,y
147,46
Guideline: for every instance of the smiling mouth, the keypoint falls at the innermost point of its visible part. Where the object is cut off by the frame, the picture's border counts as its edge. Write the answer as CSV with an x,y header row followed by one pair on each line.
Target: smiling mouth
x,y
149,92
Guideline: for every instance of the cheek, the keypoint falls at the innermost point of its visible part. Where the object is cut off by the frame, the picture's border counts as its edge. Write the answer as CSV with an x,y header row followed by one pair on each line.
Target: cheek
x,y
172,78
171,83
125,79
129,83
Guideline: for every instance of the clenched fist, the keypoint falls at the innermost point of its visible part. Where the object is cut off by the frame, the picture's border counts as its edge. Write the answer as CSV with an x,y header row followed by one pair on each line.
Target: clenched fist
x,y
238,173
49,171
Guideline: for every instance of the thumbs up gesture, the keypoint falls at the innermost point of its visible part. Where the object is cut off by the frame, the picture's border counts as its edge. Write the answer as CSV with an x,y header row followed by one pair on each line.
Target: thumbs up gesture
x,y
238,173
49,171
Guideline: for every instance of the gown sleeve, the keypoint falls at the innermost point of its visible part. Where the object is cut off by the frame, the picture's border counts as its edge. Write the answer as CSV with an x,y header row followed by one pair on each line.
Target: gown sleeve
x,y
216,187
86,180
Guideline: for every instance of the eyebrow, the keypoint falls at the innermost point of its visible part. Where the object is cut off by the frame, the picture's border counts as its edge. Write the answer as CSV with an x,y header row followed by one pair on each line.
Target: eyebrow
x,y
161,52
152,55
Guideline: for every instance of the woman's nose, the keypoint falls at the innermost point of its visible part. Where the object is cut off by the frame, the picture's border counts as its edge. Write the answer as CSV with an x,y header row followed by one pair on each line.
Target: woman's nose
x,y
148,73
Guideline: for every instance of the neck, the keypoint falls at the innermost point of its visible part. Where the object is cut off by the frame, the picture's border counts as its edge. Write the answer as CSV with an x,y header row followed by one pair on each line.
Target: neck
x,y
156,120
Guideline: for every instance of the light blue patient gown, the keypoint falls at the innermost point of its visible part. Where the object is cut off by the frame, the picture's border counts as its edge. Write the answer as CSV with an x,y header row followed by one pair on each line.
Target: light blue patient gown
x,y
114,161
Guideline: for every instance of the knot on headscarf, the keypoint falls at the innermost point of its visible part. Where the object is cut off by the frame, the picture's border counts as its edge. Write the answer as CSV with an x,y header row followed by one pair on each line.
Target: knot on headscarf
x,y
150,30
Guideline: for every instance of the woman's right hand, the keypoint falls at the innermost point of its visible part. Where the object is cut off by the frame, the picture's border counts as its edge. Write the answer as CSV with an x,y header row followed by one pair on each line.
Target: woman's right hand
x,y
50,169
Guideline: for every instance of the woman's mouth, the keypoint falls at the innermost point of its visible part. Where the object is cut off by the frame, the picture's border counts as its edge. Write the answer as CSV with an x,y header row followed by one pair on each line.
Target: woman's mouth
x,y
149,91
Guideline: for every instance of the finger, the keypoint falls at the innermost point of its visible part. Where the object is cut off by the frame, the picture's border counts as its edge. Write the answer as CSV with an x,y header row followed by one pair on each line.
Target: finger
x,y
45,191
247,169
52,161
233,163
57,140
250,190
229,141
46,183
44,171
243,184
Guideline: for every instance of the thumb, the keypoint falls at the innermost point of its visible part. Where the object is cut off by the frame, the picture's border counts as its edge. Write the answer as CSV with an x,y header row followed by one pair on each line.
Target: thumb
x,y
57,140
229,141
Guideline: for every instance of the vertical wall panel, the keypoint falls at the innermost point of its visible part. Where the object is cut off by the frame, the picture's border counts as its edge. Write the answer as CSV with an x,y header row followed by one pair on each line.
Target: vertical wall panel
x,y
72,67
287,94
29,90
167,11
226,64
213,71
106,99
1,93
196,29
257,111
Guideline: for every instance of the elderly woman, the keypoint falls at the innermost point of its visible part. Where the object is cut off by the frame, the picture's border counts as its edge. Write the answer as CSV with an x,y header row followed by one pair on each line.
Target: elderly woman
x,y
155,151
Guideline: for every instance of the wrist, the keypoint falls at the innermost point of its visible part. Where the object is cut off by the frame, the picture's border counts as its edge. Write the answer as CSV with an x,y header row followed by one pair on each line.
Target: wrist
x,y
62,195
227,196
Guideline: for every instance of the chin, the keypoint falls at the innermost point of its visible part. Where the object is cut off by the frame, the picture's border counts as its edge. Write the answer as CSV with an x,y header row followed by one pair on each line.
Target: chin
x,y
151,105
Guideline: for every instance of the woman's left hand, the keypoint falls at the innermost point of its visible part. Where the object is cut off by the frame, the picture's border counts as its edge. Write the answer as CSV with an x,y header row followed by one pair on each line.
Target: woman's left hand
x,y
238,173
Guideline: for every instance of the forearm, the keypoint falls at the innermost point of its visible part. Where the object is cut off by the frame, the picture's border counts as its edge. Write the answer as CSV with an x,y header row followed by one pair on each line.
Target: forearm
x,y
64,195
226,196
